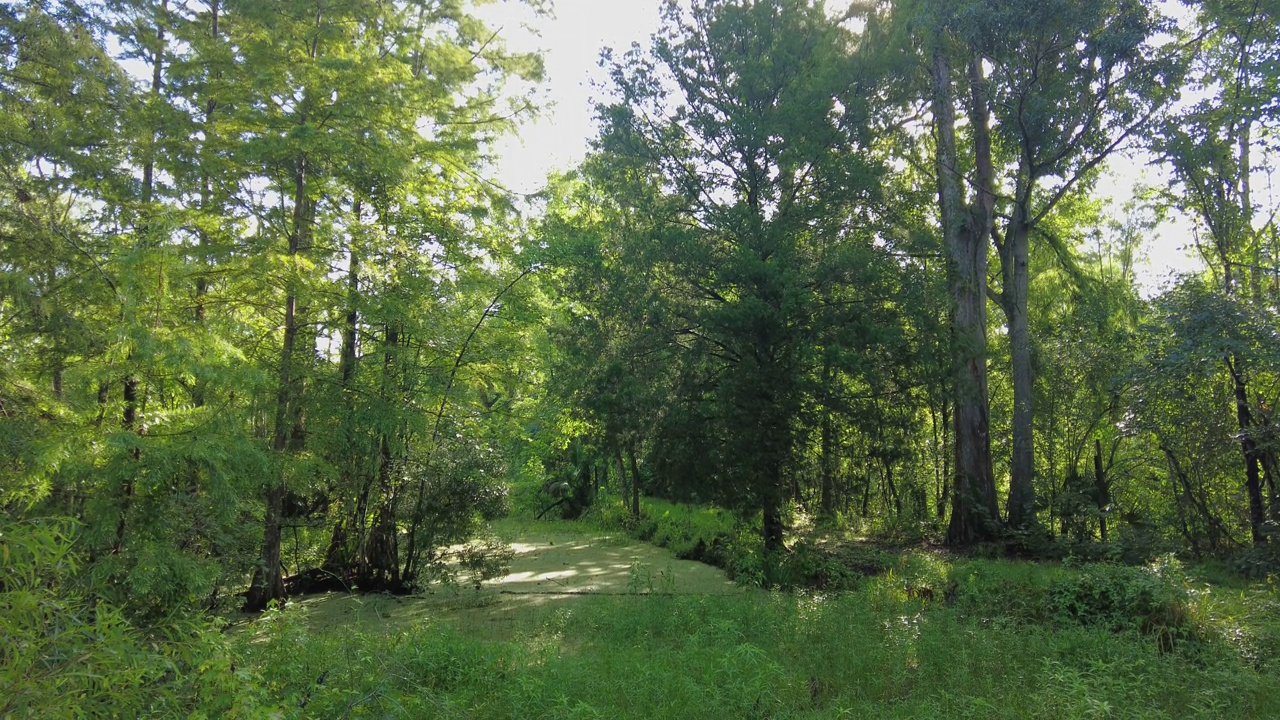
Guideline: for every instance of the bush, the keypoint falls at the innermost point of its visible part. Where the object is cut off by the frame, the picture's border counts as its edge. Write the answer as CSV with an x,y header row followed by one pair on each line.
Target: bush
x,y
1151,600
693,532
63,654
842,567
1257,562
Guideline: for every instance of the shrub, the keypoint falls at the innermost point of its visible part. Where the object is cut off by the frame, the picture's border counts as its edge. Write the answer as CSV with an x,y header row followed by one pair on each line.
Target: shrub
x,y
808,565
1122,598
63,654
1257,562
1151,600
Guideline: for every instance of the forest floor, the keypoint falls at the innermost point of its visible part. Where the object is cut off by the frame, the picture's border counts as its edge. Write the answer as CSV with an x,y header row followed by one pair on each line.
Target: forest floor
x,y
555,564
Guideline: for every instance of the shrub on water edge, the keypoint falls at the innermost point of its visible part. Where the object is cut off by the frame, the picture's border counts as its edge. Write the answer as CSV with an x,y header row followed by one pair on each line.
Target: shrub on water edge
x,y
693,532
808,565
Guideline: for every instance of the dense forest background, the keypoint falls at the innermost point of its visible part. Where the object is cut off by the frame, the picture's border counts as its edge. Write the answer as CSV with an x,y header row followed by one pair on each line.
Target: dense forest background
x,y
270,325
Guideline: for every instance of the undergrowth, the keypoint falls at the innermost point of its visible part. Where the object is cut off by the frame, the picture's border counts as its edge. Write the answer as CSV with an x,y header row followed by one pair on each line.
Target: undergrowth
x,y
906,633
67,654
873,652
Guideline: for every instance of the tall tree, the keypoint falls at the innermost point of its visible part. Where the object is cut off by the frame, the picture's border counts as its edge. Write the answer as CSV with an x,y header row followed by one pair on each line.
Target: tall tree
x,y
1215,149
1064,84
966,225
763,156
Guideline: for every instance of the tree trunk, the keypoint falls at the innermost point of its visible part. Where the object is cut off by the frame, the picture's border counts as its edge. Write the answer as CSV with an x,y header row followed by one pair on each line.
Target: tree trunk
x,y
623,488
827,503
131,384
1014,267
771,529
338,555
130,424
942,459
965,230
206,201
635,482
1102,490
382,563
1253,455
892,488
268,580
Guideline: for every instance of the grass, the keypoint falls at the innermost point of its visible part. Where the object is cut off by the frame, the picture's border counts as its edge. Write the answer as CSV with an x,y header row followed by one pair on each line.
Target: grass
x,y
1018,640
867,654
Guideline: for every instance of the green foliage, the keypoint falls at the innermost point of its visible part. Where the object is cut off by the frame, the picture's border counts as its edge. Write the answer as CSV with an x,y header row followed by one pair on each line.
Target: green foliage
x,y
256,291
1152,600
642,578
694,532
806,565
428,671
64,653
235,263
484,559
715,239
1258,562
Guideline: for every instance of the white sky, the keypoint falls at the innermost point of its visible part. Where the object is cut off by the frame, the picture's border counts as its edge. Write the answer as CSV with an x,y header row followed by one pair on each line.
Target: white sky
x,y
571,42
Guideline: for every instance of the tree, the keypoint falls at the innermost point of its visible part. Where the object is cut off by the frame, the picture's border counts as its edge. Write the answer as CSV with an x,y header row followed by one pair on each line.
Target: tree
x,y
763,163
1065,84
965,226
171,283
1214,149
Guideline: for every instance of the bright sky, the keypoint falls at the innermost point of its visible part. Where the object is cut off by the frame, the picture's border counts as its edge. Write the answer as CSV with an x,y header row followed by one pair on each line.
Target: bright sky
x,y
571,42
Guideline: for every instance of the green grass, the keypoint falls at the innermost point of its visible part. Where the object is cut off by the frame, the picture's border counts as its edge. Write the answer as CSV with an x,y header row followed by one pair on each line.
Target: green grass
x,y
865,654
1018,640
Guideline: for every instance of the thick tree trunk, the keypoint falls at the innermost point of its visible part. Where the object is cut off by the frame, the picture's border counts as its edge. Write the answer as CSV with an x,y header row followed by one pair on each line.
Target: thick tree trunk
x,y
383,559
268,580
382,562
965,229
